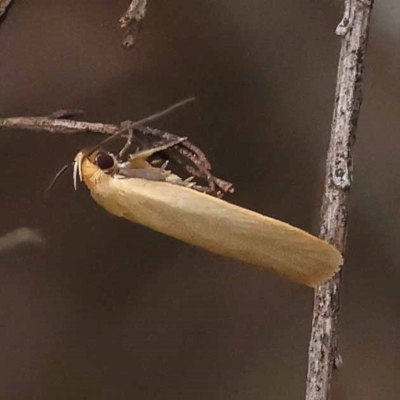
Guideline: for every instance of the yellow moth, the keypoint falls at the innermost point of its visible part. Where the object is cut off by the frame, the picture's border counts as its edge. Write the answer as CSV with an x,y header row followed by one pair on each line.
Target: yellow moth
x,y
157,198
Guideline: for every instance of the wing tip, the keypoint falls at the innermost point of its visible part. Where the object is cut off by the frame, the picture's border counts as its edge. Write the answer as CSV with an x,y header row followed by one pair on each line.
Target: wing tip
x,y
333,264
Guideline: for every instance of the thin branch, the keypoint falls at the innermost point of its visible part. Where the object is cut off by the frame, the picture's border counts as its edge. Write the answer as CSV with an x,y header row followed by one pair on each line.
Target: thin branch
x,y
59,121
135,12
324,356
20,236
131,20
184,154
58,125
4,5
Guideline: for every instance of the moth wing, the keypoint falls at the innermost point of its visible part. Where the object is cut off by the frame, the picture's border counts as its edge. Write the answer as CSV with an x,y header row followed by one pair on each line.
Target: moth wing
x,y
220,227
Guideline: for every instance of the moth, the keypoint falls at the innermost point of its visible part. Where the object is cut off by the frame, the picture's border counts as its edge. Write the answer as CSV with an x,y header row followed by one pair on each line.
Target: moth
x,y
135,188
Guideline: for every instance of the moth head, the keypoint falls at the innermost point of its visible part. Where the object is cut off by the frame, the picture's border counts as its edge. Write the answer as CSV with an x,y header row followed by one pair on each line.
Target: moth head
x,y
106,161
85,166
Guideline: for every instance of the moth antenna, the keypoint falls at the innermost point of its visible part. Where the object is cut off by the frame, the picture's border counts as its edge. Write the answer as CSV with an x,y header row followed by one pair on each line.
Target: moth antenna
x,y
75,174
188,180
139,122
57,176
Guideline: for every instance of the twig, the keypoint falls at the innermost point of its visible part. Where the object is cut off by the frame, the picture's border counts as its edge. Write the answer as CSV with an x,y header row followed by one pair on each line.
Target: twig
x,y
184,154
59,121
323,351
19,237
58,125
3,6
135,12
131,21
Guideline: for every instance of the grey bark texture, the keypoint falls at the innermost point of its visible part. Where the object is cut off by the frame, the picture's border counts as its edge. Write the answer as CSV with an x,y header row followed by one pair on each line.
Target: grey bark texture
x,y
324,355
3,6
131,20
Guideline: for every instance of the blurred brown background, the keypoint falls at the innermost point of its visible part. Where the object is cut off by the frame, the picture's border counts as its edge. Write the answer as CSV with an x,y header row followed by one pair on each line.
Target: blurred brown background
x,y
110,310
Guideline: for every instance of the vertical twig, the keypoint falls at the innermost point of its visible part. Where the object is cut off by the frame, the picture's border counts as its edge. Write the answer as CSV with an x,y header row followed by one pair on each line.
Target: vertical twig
x,y
3,6
323,351
131,20
20,236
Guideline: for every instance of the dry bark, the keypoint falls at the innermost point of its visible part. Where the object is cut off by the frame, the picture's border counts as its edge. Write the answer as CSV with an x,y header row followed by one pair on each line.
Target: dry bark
x,y
324,356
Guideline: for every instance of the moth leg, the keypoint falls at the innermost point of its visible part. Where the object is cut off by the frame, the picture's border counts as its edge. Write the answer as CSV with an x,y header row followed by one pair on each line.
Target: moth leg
x,y
127,144
150,174
144,154
187,183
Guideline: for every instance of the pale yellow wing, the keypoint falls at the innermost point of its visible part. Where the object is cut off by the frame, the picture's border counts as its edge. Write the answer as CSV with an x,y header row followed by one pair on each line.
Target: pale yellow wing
x,y
215,225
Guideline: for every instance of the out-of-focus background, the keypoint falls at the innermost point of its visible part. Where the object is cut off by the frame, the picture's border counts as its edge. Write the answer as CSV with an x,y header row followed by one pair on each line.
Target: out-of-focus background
x,y
110,310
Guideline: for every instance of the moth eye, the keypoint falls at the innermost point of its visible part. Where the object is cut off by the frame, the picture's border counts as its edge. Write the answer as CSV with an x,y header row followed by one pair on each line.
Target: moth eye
x,y
104,161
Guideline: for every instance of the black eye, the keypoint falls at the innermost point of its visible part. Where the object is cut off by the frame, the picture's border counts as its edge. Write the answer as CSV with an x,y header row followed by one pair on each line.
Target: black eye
x,y
104,161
